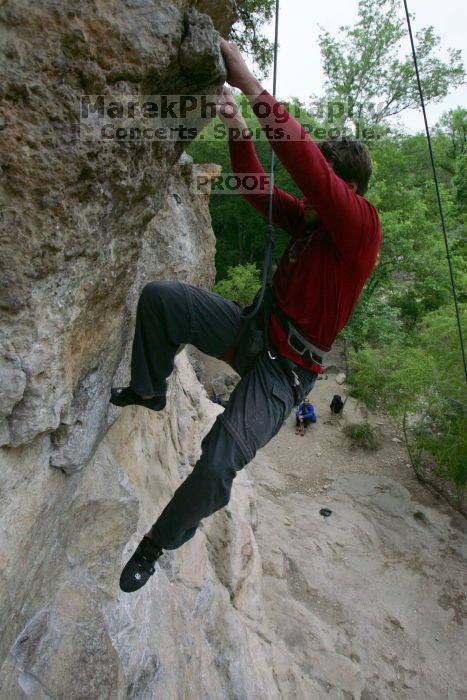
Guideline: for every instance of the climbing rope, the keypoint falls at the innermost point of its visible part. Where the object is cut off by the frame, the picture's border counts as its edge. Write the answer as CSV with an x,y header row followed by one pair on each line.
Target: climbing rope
x,y
438,195
270,234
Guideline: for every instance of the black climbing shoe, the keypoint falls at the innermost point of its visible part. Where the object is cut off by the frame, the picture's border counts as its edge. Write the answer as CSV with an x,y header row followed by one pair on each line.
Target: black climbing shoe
x,y
125,396
140,567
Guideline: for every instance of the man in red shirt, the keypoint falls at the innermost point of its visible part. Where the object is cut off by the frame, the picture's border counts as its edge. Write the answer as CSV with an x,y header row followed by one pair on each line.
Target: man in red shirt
x,y
335,239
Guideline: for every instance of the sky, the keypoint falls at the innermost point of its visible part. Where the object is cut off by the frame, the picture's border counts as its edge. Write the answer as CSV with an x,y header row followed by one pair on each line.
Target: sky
x,y
299,69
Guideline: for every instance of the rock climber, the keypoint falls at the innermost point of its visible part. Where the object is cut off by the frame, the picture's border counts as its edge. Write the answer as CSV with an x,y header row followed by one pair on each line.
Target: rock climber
x,y
304,415
335,237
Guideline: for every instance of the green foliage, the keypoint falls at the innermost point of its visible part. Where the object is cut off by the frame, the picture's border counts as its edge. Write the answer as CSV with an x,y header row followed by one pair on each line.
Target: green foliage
x,y
422,383
411,278
393,378
374,321
460,182
363,63
449,449
363,435
445,435
252,15
241,284
452,130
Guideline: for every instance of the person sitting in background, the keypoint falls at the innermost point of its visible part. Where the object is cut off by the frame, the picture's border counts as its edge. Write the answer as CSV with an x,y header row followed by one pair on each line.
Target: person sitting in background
x,y
304,415
336,404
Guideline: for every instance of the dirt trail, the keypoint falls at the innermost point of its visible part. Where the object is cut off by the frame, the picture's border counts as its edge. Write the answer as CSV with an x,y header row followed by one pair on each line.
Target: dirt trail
x,y
371,600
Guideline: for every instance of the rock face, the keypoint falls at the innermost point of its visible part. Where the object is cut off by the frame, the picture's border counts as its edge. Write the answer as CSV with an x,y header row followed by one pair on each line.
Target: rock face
x,y
84,225
75,213
69,633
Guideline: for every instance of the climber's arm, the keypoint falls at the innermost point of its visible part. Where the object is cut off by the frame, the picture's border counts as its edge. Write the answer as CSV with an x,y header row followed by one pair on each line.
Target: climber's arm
x,y
287,209
349,218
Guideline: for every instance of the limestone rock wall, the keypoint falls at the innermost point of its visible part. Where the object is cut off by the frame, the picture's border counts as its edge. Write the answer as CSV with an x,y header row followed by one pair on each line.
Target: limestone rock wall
x,y
67,630
361,605
83,226
75,213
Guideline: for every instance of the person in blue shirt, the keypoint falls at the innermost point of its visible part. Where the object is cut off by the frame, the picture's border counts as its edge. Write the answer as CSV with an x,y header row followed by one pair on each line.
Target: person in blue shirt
x,y
304,415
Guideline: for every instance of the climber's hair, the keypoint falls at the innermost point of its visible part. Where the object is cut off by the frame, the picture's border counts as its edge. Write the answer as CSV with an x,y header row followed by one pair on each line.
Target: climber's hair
x,y
350,159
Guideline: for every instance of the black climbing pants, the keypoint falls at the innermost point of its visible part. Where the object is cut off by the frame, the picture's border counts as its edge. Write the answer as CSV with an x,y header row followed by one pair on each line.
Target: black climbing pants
x,y
170,314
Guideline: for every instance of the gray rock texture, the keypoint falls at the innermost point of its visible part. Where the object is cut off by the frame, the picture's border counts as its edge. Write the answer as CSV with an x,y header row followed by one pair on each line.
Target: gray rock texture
x,y
67,630
78,218
84,224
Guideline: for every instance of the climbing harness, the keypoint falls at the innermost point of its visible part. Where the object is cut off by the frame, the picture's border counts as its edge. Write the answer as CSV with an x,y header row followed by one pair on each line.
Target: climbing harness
x,y
312,354
438,195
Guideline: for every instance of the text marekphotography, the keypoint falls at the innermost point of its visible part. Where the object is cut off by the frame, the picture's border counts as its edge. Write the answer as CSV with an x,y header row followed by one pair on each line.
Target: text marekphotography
x,y
185,117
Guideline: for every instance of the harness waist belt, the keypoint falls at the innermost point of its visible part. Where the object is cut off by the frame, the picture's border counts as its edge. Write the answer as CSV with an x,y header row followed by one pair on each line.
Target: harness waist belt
x,y
301,345
295,340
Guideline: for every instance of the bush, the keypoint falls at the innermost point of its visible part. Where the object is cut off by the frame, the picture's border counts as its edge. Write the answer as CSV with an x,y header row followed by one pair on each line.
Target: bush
x,y
241,284
424,387
363,435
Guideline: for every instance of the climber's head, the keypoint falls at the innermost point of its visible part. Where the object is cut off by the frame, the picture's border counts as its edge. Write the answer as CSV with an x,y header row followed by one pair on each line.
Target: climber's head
x,y
350,159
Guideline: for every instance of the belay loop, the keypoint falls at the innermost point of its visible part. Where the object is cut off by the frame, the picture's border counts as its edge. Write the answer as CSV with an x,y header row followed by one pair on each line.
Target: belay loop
x,y
270,233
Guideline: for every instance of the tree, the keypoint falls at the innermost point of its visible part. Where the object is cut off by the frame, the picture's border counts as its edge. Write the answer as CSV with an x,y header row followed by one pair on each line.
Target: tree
x,y
453,125
425,389
252,15
460,182
364,65
451,139
241,284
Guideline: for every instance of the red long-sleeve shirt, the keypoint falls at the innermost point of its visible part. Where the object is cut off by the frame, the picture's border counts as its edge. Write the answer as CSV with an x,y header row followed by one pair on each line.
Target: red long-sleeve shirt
x,y
323,269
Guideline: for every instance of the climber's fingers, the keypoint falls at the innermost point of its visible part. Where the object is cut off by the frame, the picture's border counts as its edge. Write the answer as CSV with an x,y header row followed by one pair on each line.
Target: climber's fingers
x,y
237,70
